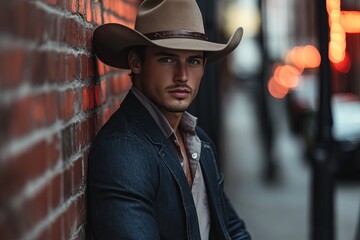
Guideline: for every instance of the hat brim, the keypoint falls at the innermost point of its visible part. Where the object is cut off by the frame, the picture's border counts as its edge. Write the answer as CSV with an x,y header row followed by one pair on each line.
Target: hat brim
x,y
112,42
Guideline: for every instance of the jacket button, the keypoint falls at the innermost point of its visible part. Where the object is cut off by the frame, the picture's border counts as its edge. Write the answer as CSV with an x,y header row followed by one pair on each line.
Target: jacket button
x,y
194,155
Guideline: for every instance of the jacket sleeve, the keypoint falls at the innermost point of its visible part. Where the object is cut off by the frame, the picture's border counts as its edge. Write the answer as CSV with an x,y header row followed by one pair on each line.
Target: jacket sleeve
x,y
121,190
235,226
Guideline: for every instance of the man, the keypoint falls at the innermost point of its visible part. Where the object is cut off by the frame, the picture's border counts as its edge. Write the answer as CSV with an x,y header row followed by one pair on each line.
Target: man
x,y
152,172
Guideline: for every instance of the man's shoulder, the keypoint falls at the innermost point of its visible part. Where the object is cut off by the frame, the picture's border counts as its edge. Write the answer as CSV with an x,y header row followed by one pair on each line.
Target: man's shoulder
x,y
129,121
116,126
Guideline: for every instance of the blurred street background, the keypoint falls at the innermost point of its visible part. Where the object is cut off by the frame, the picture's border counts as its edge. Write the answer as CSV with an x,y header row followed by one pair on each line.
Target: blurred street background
x,y
270,105
275,208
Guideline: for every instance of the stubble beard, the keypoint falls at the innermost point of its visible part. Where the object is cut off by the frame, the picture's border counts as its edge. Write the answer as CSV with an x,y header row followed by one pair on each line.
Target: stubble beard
x,y
172,108
164,105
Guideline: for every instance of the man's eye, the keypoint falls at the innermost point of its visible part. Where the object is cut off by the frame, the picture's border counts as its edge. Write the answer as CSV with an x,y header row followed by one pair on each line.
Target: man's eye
x,y
194,61
166,60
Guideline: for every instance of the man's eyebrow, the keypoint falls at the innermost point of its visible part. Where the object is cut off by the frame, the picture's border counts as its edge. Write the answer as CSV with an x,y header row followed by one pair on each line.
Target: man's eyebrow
x,y
175,55
165,54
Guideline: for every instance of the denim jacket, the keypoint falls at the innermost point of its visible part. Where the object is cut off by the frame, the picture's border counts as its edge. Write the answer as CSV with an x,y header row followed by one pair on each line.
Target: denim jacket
x,y
137,188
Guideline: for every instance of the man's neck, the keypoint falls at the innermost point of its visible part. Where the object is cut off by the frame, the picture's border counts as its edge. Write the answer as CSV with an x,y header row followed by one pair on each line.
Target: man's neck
x,y
173,119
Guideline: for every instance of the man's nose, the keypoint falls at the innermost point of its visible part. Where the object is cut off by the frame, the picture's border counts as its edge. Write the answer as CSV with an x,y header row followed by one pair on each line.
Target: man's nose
x,y
181,72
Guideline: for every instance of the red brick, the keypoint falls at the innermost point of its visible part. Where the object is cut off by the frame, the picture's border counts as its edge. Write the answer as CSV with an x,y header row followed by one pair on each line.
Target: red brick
x,y
81,9
11,225
53,70
99,120
90,67
75,37
110,69
6,15
120,9
52,2
71,67
36,24
97,14
52,151
88,39
66,99
22,15
68,146
77,175
52,26
56,229
38,67
100,67
103,94
57,191
68,183
27,166
61,29
69,221
97,95
5,122
86,157
82,63
55,67
88,97
107,113
81,234
45,235
116,19
82,133
125,82
35,209
50,99
89,11
108,4
62,4
38,114
72,6
12,61
19,117
80,209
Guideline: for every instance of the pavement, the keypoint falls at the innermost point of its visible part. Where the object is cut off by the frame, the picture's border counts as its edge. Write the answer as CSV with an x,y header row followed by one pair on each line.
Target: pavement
x,y
278,210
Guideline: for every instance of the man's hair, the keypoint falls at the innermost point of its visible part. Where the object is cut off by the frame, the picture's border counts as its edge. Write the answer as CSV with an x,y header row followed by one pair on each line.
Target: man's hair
x,y
140,51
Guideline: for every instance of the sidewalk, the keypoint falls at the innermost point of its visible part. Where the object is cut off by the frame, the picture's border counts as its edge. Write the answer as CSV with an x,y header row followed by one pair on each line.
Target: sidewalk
x,y
274,211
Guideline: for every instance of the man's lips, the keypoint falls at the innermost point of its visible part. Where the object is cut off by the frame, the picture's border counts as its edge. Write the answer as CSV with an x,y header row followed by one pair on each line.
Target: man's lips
x,y
180,92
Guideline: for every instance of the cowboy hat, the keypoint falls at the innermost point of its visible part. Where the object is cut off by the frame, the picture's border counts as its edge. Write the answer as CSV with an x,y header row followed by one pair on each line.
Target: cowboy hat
x,y
174,24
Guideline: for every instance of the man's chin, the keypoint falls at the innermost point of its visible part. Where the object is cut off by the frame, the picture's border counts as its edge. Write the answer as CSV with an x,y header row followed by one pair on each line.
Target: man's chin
x,y
177,109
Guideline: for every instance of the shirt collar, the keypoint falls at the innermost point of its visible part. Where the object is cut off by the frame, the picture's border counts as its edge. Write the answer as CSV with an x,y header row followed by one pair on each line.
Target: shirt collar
x,y
187,123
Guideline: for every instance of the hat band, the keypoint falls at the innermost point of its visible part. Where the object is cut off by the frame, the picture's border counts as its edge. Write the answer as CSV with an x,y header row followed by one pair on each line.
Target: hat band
x,y
176,34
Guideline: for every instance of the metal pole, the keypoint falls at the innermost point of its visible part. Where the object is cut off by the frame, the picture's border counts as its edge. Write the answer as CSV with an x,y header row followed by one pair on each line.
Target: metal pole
x,y
323,178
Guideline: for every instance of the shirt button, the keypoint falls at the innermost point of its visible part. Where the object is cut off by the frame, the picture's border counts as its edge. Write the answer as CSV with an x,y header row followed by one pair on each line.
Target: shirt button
x,y
194,155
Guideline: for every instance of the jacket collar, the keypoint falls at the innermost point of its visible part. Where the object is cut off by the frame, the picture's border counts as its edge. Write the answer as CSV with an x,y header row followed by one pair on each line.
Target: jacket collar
x,y
142,118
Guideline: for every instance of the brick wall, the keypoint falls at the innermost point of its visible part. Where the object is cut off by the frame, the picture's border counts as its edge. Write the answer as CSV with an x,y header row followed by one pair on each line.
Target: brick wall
x,y
54,96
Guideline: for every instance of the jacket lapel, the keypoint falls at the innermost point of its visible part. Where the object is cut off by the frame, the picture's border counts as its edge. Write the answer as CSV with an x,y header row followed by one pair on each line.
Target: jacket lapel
x,y
213,188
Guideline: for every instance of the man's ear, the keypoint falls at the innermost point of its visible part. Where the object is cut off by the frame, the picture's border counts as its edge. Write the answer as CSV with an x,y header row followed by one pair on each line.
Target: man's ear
x,y
134,62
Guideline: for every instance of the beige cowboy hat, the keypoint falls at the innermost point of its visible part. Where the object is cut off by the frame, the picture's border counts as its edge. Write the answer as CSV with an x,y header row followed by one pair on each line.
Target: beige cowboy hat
x,y
174,24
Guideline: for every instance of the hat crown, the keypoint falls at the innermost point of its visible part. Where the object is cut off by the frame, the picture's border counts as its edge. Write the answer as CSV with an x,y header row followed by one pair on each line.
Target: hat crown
x,y
169,15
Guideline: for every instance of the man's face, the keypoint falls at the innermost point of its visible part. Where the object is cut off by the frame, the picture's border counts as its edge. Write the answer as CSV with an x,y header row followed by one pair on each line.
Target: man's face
x,y
170,78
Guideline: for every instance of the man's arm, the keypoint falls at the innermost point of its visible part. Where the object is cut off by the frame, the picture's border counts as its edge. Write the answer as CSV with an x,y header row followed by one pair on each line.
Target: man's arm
x,y
235,225
121,187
